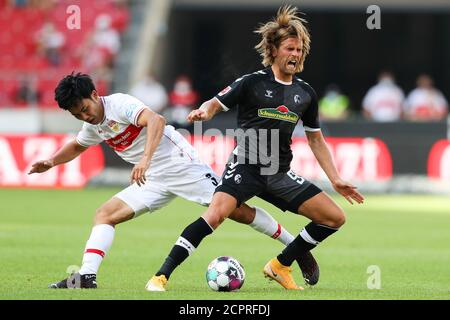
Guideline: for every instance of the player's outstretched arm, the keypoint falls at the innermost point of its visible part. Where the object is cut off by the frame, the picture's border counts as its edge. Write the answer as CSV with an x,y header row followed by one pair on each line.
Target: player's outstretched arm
x,y
206,111
322,153
68,152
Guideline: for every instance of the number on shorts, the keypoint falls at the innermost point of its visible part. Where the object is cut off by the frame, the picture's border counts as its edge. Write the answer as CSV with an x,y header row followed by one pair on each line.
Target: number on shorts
x,y
295,177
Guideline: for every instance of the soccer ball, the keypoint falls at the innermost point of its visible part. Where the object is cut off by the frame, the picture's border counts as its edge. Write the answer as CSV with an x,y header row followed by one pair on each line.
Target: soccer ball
x,y
225,274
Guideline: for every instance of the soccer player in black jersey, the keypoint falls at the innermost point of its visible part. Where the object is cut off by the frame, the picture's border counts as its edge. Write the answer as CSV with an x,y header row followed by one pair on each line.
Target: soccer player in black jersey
x,y
270,102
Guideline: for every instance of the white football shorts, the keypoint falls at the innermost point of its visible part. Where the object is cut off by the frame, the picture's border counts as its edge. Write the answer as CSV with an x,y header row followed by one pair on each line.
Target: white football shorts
x,y
193,181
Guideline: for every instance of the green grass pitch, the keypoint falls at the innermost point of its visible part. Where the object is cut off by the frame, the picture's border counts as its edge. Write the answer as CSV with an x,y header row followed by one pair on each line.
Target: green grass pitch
x,y
43,232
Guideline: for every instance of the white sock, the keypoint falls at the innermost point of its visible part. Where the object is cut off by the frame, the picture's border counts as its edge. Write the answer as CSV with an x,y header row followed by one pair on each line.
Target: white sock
x,y
266,224
97,246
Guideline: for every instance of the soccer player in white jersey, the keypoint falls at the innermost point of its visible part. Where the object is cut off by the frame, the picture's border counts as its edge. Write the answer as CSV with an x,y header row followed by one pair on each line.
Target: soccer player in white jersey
x,y
165,166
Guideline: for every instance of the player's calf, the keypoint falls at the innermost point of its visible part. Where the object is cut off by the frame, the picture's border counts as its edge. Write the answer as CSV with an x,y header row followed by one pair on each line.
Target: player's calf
x,y
309,267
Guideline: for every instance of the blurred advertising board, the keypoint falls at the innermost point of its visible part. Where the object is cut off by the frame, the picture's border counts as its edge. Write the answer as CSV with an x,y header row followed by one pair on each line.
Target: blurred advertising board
x,y
439,161
19,152
357,159
363,159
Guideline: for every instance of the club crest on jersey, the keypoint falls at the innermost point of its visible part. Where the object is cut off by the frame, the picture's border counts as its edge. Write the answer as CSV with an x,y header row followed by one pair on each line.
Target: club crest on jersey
x,y
224,91
114,126
280,113
269,94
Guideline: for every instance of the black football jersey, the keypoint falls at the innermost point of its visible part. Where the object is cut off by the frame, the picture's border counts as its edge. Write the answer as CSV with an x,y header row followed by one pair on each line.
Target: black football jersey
x,y
268,107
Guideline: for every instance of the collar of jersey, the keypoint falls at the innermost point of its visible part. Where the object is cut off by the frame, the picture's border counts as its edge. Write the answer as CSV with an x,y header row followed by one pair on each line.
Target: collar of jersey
x,y
102,100
269,69
282,82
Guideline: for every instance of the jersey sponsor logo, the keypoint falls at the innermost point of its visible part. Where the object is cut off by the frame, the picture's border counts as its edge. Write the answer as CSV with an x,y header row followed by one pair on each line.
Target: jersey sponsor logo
x,y
280,113
125,139
114,126
224,91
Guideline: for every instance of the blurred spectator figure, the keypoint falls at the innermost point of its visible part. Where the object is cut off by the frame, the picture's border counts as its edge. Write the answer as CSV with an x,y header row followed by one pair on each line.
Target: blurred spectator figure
x,y
18,3
50,43
101,47
40,4
151,92
27,92
105,36
425,103
183,99
384,101
334,104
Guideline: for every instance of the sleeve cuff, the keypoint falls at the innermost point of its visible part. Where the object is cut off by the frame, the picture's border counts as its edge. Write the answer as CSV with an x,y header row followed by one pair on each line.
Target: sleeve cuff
x,y
136,117
311,129
224,107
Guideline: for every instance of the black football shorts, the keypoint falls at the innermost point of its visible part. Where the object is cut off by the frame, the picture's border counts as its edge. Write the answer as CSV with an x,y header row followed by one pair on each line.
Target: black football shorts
x,y
285,190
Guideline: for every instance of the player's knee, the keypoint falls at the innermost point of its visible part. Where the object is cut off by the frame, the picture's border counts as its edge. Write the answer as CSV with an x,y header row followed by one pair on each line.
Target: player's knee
x,y
215,217
214,220
103,216
338,219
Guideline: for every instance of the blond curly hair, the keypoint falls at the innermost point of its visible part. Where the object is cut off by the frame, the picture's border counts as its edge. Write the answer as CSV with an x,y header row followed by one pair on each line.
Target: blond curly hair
x,y
286,25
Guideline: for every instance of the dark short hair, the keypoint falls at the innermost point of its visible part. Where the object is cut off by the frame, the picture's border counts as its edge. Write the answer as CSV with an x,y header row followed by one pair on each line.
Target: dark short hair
x,y
72,89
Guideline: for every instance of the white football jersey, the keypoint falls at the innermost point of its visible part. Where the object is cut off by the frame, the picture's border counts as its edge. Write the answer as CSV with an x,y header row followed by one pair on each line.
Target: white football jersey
x,y
120,131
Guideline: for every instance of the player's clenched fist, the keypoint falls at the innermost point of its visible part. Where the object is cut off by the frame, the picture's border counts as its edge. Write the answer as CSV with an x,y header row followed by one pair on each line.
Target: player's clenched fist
x,y
41,166
197,115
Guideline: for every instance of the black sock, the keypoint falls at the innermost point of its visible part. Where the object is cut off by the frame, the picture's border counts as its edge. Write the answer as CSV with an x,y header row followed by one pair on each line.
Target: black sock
x,y
308,239
185,245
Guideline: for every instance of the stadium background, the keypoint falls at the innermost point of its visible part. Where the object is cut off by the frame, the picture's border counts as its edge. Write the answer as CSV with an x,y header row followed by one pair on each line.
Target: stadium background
x,y
212,43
